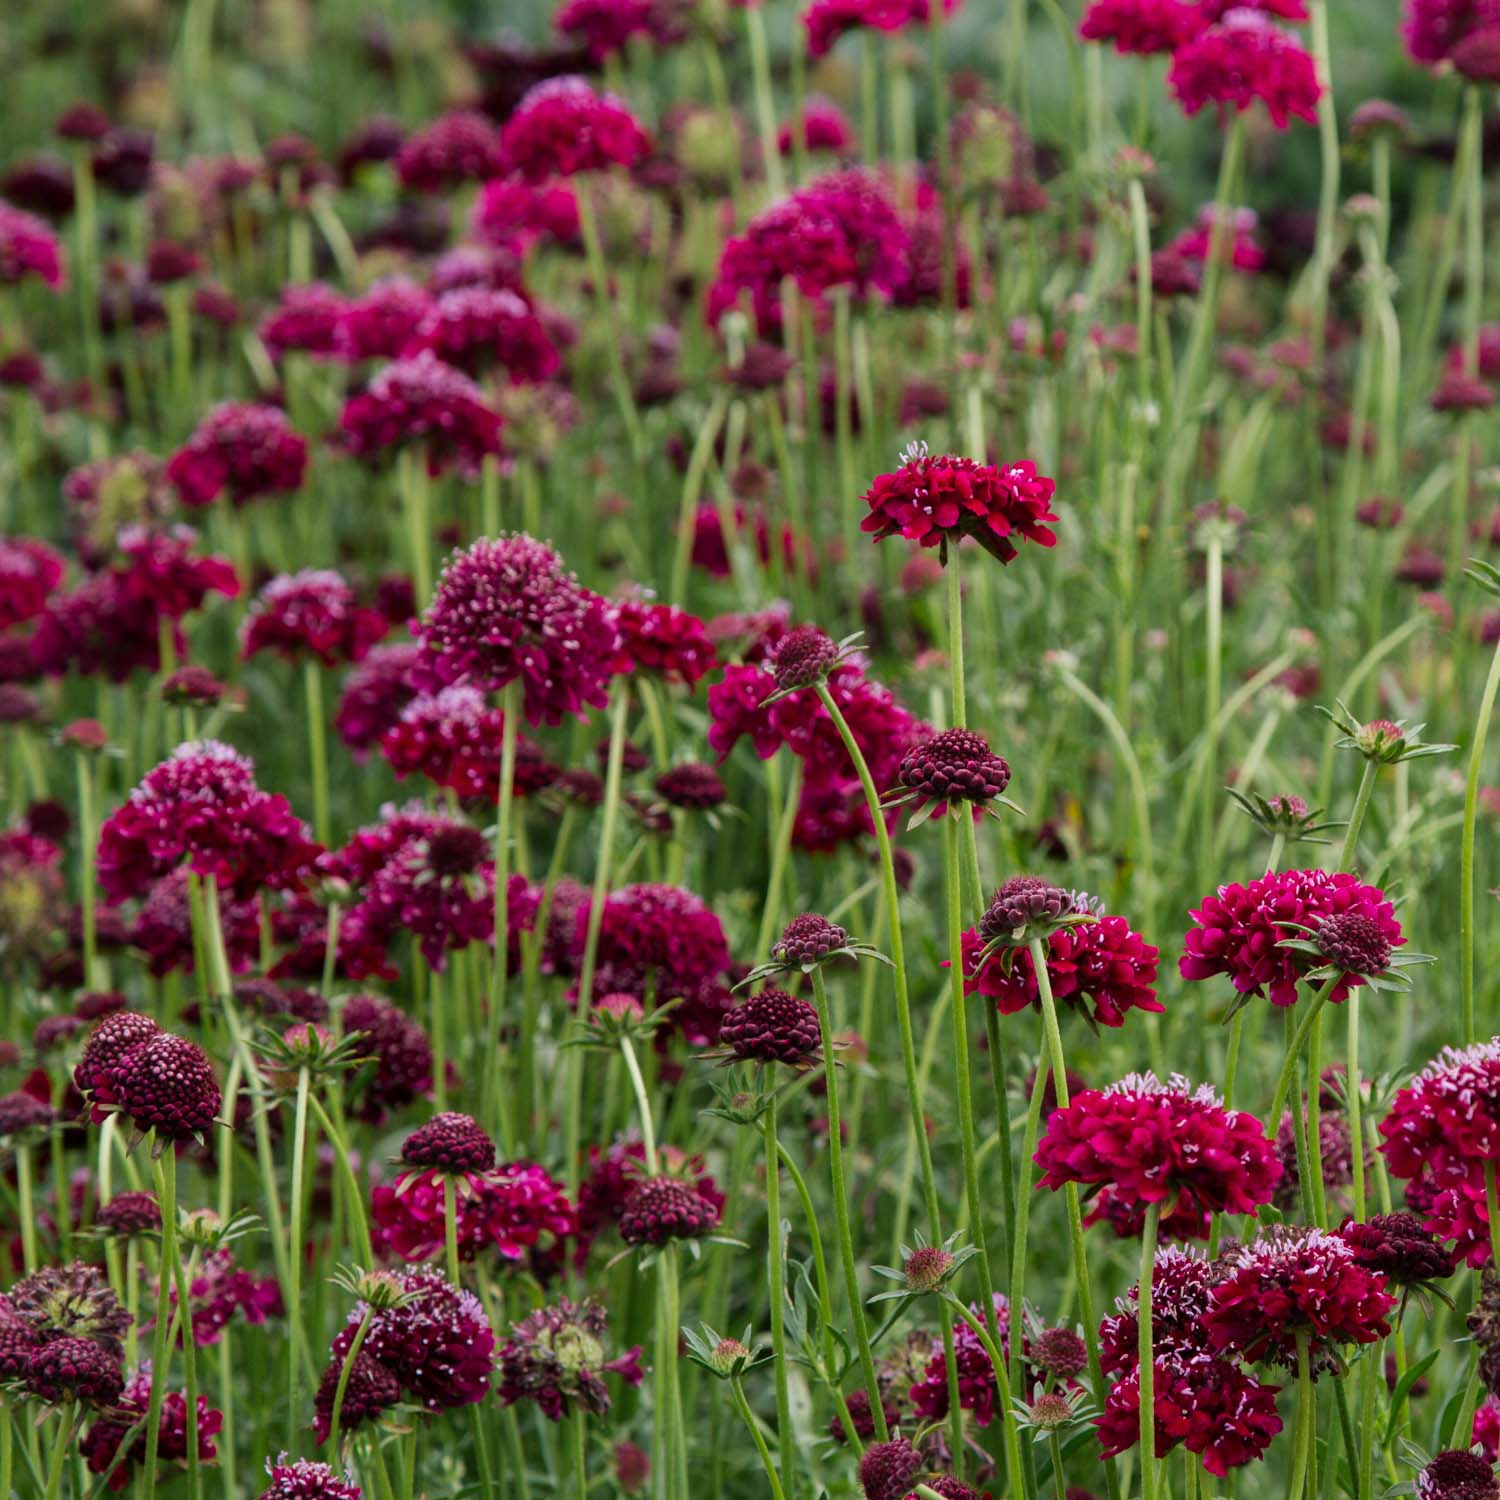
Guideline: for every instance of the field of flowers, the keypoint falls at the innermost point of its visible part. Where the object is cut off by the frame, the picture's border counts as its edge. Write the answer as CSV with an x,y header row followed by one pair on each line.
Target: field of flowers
x,y
743,750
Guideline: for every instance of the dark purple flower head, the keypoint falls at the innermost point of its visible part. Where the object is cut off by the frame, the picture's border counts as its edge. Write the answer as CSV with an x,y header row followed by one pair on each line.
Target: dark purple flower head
x,y
1060,1352
1024,907
370,1392
556,1357
888,1470
807,939
383,323
28,248
304,1479
693,786
306,320
455,148
802,657
29,572
73,1301
659,1209
166,1084
1399,1248
772,1026
1457,1474
242,448
313,612
401,1051
23,1115
126,1421
72,1369
955,765
1143,27
421,400
477,328
374,695
449,1142
130,1213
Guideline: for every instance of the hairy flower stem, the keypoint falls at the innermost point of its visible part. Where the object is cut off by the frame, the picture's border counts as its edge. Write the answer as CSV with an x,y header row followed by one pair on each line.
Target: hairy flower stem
x,y
164,1168
62,1445
493,1109
25,1195
765,102
669,1327
573,1067
1466,852
1145,1354
1019,1239
450,1227
342,1387
742,1406
776,1287
840,1188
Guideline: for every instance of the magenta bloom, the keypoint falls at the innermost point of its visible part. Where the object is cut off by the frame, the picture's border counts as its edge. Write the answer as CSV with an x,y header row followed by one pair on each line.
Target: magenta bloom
x,y
1287,10
1238,931
827,20
1295,1281
475,328
304,1479
246,449
28,248
504,609
842,230
1154,1142
422,400
459,147
605,26
976,1371
1141,26
401,1051
655,937
453,738
1243,59
375,694
201,807
1241,244
823,127
1101,968
931,500
439,1345
307,320
103,1441
514,1209
160,571
223,1288
383,323
513,214
163,928
663,641
29,571
311,613
562,127
1432,29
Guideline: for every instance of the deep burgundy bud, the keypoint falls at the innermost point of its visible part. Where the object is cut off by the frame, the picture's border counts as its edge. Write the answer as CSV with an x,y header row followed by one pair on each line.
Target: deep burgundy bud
x,y
69,1369
449,1142
888,1470
1355,943
956,765
807,939
665,1208
694,785
803,656
772,1026
130,1213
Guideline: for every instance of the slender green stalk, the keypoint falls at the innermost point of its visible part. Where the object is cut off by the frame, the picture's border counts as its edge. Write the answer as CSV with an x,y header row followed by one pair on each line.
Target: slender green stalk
x,y
742,1406
609,313
579,1424
765,102
493,1107
317,745
1145,1352
1312,1007
450,1227
26,1196
296,1329
164,1167
87,838
1466,848
1306,1424
776,1288
62,1445
840,1187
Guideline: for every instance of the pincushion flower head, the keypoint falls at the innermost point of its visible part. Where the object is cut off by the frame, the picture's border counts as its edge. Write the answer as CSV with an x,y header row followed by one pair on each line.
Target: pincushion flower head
x,y
125,1423
451,1143
424,402
827,20
400,1051
1144,27
663,641
28,248
936,500
954,766
661,1208
563,127
1295,926
888,1470
164,1084
459,147
843,230
1457,1474
556,1357
305,1479
455,738
29,572
71,1369
506,610
313,613
1242,59
477,328
1396,1245
201,807
73,1301
1433,29
771,1026
1155,1143
243,449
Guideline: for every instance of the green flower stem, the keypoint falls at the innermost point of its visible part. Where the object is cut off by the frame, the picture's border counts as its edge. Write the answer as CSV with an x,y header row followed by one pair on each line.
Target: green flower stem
x,y
840,1188
317,745
296,1328
1022,1480
669,1327
450,1227
957,700
493,1108
62,1445
578,1422
416,499
1213,609
1145,1352
1466,854
1492,1209
642,1104
776,1286
742,1406
1019,1237
1312,1006
573,1067
339,1390
185,1275
692,490
820,1260
88,836
164,1168
781,848
25,1193
765,102
354,1202
1306,1421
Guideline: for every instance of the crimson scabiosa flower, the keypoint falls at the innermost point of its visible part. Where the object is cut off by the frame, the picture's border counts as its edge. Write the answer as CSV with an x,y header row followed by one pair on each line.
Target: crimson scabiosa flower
x,y
1242,59
1243,932
954,766
663,641
1457,1474
163,927
160,570
823,127
459,147
842,230
383,323
201,807
658,938
437,1342
370,1391
451,1143
305,320
659,1209
71,1369
1396,1246
29,571
1241,239
827,20
1156,1142
604,26
303,1479
243,449
1432,29
422,401
772,1026
808,939
400,1052
126,1421
888,1470
1144,27
802,658
374,695
562,127
976,1371
453,737
1291,1285
310,613
477,328
505,609
692,786
128,1214
164,1084
555,1357
937,500
1101,968
28,248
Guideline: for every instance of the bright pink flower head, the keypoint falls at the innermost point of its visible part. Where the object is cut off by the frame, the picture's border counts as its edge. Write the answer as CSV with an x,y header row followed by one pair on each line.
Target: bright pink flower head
x,y
454,738
438,1345
1144,27
504,609
931,500
29,572
1182,1283
1209,1406
476,328
605,26
563,127
1101,968
1242,247
1486,1431
1243,59
1154,1142
422,400
663,641
1287,10
375,694
244,448
1291,1282
658,938
512,214
307,319
1433,28
827,20
459,147
28,248
311,613
223,1289
841,231
383,323
201,807
824,127
1239,930
161,570
102,1443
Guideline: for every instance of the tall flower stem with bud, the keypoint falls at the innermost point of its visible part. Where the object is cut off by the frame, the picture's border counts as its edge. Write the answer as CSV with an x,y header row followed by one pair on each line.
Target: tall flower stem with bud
x,y
296,1331
164,1166
1145,1354
776,1290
